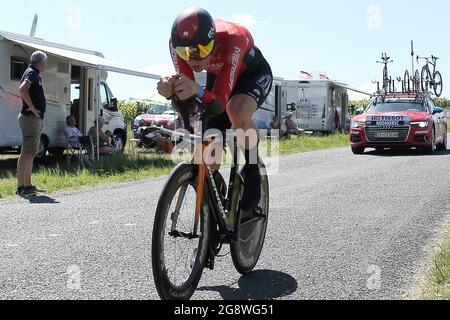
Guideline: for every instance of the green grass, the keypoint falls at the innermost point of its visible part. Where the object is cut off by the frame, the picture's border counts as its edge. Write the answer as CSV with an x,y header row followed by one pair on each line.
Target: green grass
x,y
132,166
108,170
438,279
307,144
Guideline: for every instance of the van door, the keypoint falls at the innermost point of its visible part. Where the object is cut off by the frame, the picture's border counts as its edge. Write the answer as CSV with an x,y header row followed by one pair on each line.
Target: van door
x,y
90,99
110,109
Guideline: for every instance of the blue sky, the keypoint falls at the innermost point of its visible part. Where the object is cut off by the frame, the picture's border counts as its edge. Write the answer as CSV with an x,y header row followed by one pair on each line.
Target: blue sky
x,y
343,37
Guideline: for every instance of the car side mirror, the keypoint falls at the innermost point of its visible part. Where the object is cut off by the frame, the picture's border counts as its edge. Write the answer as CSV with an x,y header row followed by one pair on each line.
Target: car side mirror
x,y
359,111
437,110
114,105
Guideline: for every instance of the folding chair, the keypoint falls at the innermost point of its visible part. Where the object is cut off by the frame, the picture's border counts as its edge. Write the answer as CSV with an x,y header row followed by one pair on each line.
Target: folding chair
x,y
82,149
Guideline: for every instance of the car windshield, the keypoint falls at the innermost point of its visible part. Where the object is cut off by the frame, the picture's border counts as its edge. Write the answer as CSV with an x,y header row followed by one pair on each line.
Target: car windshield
x,y
158,109
397,107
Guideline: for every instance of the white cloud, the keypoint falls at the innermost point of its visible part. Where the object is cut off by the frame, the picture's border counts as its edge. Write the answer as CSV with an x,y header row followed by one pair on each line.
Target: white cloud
x,y
246,20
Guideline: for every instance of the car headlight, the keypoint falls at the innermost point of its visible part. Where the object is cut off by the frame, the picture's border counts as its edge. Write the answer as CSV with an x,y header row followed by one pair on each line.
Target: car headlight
x,y
358,124
420,124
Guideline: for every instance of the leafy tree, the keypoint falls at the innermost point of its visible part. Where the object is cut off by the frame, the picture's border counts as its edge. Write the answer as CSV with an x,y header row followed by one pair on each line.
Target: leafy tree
x,y
132,109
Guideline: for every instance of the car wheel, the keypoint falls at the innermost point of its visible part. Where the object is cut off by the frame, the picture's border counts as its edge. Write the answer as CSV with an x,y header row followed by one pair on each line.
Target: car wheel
x,y
42,149
432,148
444,145
358,150
119,143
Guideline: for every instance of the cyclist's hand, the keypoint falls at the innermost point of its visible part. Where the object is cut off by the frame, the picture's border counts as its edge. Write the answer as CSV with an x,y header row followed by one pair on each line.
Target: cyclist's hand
x,y
165,87
185,88
36,113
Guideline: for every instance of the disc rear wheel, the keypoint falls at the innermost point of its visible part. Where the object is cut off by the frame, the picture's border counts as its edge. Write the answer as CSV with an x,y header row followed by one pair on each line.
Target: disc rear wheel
x,y
251,232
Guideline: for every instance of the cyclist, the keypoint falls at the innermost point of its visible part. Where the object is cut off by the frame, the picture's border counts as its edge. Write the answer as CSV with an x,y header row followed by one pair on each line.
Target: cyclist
x,y
239,80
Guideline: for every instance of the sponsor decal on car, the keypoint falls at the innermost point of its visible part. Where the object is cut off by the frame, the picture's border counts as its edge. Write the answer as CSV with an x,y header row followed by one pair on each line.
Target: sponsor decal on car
x,y
388,121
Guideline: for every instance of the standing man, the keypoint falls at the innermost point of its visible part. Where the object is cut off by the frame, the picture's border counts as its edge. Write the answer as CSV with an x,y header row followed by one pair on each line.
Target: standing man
x,y
31,120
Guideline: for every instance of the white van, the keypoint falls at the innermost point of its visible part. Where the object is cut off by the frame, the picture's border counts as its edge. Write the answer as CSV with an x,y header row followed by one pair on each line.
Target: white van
x,y
72,87
314,104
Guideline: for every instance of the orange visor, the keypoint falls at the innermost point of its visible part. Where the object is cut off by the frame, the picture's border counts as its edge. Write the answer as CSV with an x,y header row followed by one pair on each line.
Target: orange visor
x,y
198,52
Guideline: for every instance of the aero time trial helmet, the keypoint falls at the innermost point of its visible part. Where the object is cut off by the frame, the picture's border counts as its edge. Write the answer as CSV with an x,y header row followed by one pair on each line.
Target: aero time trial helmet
x,y
194,34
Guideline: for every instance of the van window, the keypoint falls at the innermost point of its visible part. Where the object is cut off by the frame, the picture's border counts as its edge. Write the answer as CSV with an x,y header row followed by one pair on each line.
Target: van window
x,y
104,96
18,67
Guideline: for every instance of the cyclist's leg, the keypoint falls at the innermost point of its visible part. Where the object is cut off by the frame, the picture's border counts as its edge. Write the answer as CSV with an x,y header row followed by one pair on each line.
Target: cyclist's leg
x,y
252,89
240,109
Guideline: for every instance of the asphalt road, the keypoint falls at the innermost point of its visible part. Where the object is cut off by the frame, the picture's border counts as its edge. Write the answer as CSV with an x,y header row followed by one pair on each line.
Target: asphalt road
x,y
341,227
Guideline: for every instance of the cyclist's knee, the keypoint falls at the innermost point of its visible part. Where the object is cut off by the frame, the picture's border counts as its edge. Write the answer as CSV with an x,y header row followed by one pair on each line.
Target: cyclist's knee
x,y
240,110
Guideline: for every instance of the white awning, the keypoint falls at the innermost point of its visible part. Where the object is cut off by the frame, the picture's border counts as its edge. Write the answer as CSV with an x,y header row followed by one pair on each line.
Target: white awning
x,y
83,57
359,91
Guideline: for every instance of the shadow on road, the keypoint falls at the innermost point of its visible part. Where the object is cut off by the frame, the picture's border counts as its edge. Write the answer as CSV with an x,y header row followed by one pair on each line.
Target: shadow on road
x,y
258,285
42,200
405,152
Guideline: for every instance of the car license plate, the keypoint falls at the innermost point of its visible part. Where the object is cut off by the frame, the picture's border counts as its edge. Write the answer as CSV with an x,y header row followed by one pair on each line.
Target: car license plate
x,y
382,134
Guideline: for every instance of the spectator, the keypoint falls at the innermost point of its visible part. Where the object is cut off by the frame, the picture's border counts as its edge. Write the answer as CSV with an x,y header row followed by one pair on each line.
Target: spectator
x,y
31,121
291,126
337,120
73,133
104,137
275,125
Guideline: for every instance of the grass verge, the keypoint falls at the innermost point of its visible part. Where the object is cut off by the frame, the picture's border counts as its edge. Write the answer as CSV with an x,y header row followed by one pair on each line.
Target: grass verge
x,y
307,144
109,170
437,286
133,166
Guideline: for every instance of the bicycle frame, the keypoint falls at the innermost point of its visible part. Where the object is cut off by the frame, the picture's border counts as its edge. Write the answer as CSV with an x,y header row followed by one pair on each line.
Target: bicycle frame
x,y
387,81
207,184
427,65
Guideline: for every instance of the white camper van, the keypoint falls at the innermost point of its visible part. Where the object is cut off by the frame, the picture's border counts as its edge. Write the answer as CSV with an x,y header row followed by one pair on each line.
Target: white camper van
x,y
315,104
74,85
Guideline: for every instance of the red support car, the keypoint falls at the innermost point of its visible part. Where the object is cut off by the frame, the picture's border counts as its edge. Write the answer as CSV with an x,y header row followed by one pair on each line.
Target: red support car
x,y
400,120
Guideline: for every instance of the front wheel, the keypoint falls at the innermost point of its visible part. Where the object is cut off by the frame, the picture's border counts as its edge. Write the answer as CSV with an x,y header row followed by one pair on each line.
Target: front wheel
x,y
407,82
42,149
432,148
179,256
417,81
425,78
444,145
437,84
118,143
251,233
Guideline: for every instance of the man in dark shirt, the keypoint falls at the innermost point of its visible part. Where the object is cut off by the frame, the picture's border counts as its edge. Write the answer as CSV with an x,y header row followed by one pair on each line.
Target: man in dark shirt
x,y
31,121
